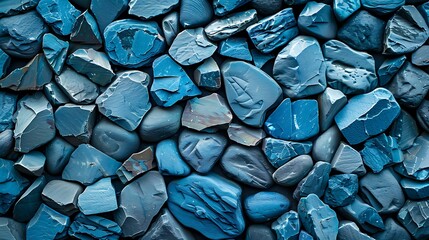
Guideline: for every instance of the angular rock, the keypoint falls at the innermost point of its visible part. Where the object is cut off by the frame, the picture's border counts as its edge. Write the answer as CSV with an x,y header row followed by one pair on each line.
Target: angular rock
x,y
315,182
265,206
265,7
195,13
160,123
55,95
12,184
209,204
85,30
348,160
345,8
325,146
256,231
60,15
6,142
169,161
227,26
147,9
317,19
392,231
4,62
381,7
207,75
100,197
106,12
170,27
26,206
82,3
235,47
415,189
137,164
8,103
363,215
47,224
423,115
303,235
244,135
11,229
279,152
389,68
223,7
12,7
250,91
292,172
419,57
349,230
78,88
414,217
416,160
57,154
55,51
94,227
341,190
31,164
380,152
404,130
260,59
62,196
287,226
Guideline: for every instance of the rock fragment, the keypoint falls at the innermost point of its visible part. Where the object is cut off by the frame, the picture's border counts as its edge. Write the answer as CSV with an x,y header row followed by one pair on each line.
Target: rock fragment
x,y
62,196
325,146
147,9
244,135
225,27
423,115
404,130
345,8
106,12
57,154
99,197
223,7
315,182
8,103
55,95
389,68
31,164
77,87
278,151
97,227
12,7
12,184
169,160
11,229
363,215
349,230
235,47
292,172
47,224
416,160
348,160
392,230
415,189
317,19
85,31
61,15
380,152
341,190
160,123
414,217
207,75
287,226
137,164
26,206
259,231
55,51
170,27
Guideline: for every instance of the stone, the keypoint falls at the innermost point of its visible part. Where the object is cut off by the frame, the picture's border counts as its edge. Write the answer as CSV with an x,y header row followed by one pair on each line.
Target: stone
x,y
6,142
4,62
325,146
409,86
274,31
404,130
169,160
247,165
419,57
381,7
139,202
318,218
12,185
87,165
11,229
21,35
423,115
405,31
230,25
367,115
82,3
75,122
349,230
260,59
223,7
265,206
89,200
414,217
47,224
298,120
363,215
62,196
26,206
300,68
137,164
303,235
415,189
317,19
94,227
55,95
207,75
392,230
287,226
77,87
279,152
34,123
55,51
12,7
8,103
250,91
160,123
170,27
114,141
345,8
416,159
259,231
32,76
244,135
348,70
293,171
348,160
389,68
341,190
31,164
315,182
265,8
191,46
57,153
60,15
147,9
85,30
207,113
380,152
209,204
124,42
201,150
235,47
424,10
195,13
170,82
106,12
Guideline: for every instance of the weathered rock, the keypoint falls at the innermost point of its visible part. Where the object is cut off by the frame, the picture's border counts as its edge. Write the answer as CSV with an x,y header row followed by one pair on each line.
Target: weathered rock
x,y
380,152
349,230
207,75
414,217
55,95
147,9
287,226
94,227
419,57
363,215
348,160
31,164
244,135
279,152
345,8
404,130
389,68
392,230
341,190
416,160
77,87
12,7
292,172
235,47
85,31
317,19
415,189
47,224
11,229
8,103
260,59
137,164
55,51
60,15
62,196
223,7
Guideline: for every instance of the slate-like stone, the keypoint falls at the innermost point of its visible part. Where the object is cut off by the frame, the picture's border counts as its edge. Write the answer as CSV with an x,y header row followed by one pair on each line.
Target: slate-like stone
x,y
137,164
106,12
170,27
225,27
315,182
223,7
139,202
94,227
132,43
348,70
287,226
57,154
77,87
274,31
60,15
207,75
380,152
62,196
169,160
47,224
250,91
31,164
415,189
278,151
341,190
265,206
414,217
160,123
99,197
195,13
4,62
11,229
382,7
245,135
420,56
423,115
389,68
235,47
26,206
259,231
363,215
12,184
298,120
87,165
405,130
345,8
209,204
34,122
325,146
260,59
292,172
55,95
12,7
405,31
349,230
8,103
55,51
317,19
147,9
171,83
392,231
348,160
85,30
6,142
416,159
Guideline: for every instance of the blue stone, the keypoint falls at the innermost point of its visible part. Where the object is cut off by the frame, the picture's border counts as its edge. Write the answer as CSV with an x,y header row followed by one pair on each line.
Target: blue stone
x,y
82,3
137,164
415,189
77,87
380,152
99,197
267,7
424,11
13,7
292,172
223,7
31,164
171,83
6,142
414,217
303,235
331,101
349,230
169,161
259,231
4,62
345,8
235,47
8,103
94,227
160,123
389,68
55,95
404,129
132,43
26,206
298,120
420,56
12,184
265,206
278,151
47,224
423,115
363,215
209,204
106,11
317,19
227,26
55,51
207,75
367,115
348,160
382,7
57,154
341,190
287,226
315,182
62,196
11,229
170,27
195,13
60,15
416,159
245,135
85,30
392,231
147,9
259,58
274,31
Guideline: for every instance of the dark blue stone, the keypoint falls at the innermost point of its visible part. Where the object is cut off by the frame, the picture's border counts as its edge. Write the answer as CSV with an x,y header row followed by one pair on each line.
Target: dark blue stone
x,y
423,115
77,87
416,159
420,56
223,7
380,152
55,51
195,13
265,206
381,7
137,164
147,9
4,62
47,224
85,30
8,103
278,151
160,123
349,230
99,197
57,154
404,130
303,235
6,142
414,216
13,7
12,184
170,163
392,231
317,19
415,189
235,47
259,58
267,7
94,227
259,231
207,75
31,164
106,12
315,182
287,226
389,68
225,27
341,190
60,15
345,8
30,200
364,215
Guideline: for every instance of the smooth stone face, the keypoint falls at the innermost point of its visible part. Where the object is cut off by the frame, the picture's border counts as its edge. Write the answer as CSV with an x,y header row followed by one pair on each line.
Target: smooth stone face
x,y
325,146
315,182
380,152
247,165
405,130
367,115
207,75
87,165
260,59
392,230
55,95
223,7
244,135
77,87
382,7
82,3
47,224
415,189
195,13
147,9
57,154
201,150
8,103
235,47
265,7
160,123
389,68
12,184
6,142
303,235
363,215
209,204
60,15
405,31
84,227
131,43
106,12
348,70
317,19
169,161
191,46
292,172
416,160
34,123
85,30
4,62
414,217
345,8
423,115
341,190
256,231
225,27
250,91
348,160
99,197
171,83
287,226
11,229
170,27
300,68
62,196
137,164
419,57
139,202
12,7
349,230
114,141
279,152
55,51
21,35
31,164
265,206
274,31
26,206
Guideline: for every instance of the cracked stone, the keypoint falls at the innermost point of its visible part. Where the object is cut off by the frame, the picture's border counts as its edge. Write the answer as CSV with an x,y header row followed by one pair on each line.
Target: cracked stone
x,y
287,226
389,68
137,164
12,184
363,215
345,8
55,95
317,19
341,190
60,15
55,51
416,159
94,227
85,30
279,152
415,190
414,217
13,7
62,196
349,230
11,229
404,130
8,103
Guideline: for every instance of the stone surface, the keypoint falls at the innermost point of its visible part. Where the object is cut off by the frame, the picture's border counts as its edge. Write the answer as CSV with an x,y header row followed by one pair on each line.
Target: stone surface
x,y
160,123
326,144
170,27
195,13
62,196
26,206
225,27
85,30
419,57
169,160
265,7
287,226
303,235
12,185
345,8
260,59
423,115
415,189
315,182
77,87
341,190
55,51
8,103
279,152
55,95
265,206
381,7
416,159
404,130
349,230
6,142
207,75
47,224
147,9
259,231
31,164
380,152
244,135
331,101
12,7
106,12
363,215
4,62
60,15
94,227
317,19
98,197
292,172
235,47
414,217
392,230
137,164
223,7
389,68
348,160
11,229
57,154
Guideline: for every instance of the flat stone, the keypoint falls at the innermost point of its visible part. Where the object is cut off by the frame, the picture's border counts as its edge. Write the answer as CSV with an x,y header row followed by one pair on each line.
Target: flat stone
x,y
265,7
6,142
77,87
265,206
341,190
250,91
34,122
12,7
171,83
235,47
414,217
260,59
223,7
106,12
298,120
318,20
404,130
137,164
380,152
244,135
85,30
363,215
4,62
99,197
55,51
348,160
292,172
160,123
62,196
225,27
75,122
47,224
416,159
259,231
31,164
139,202
201,150
195,13
57,154
55,95
423,115
87,165
94,227
419,57
367,115
247,165
349,230
124,38
12,185
147,9
8,103
415,189
207,75
26,206
287,226
279,152
11,229
325,146
169,160
60,15
191,46
315,182
345,8
170,27
392,230
389,68
209,204
274,31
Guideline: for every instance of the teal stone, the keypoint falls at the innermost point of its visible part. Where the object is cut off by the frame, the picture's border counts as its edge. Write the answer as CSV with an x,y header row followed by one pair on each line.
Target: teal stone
x,y
169,160
223,7
315,182
4,62
317,19
389,68
11,229
55,51
287,226
55,95
61,15
47,224
85,30
303,235
6,142
94,227
259,231
160,123
99,197
12,185
13,7
8,103
363,215
260,59
349,230
414,217
415,189
265,206
382,7
380,152
31,164
195,13
345,8
393,231
235,47
26,206
278,151
106,11
341,190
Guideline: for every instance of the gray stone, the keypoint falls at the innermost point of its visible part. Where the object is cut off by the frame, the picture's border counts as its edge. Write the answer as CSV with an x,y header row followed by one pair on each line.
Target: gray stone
x,y
77,87
292,172
405,130
331,101
62,196
279,152
416,159
326,144
244,135
348,160
420,56
55,95
160,123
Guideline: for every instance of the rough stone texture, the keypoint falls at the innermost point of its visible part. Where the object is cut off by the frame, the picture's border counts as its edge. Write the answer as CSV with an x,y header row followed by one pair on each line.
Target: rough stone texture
x,y
195,13
99,197
235,47
348,160
223,28
160,123
363,215
345,8
389,68
414,217
85,31
326,144
341,190
55,95
317,19
170,27
380,152
59,14
8,103
169,160
147,9
423,115
265,206
315,182
223,7
11,229
62,196
31,164
137,164
287,226
207,75
260,59
47,224
244,135
349,230
94,227
292,172
278,152
106,12
415,189
55,51
416,159
77,87
12,184
12,7
420,56
26,206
